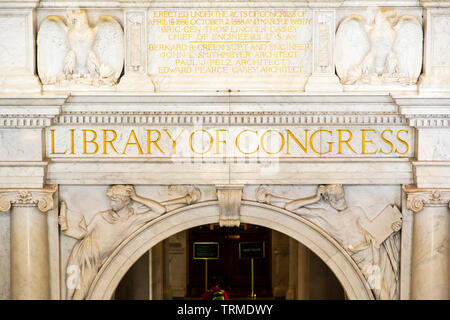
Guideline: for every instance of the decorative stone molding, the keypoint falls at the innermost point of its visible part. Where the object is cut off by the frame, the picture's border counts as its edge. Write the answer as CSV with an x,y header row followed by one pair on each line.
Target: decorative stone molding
x,y
229,197
228,118
29,112
425,111
435,3
418,198
43,198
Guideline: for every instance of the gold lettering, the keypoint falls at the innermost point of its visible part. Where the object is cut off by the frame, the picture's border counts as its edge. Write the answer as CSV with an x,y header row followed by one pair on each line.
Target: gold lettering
x,y
85,141
136,143
304,147
403,142
174,142
52,132
72,143
110,142
262,142
211,140
311,142
387,141
219,141
155,142
364,141
345,141
237,141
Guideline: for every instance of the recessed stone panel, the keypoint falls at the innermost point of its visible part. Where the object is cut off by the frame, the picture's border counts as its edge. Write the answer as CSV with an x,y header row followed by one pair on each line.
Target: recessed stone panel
x,y
238,49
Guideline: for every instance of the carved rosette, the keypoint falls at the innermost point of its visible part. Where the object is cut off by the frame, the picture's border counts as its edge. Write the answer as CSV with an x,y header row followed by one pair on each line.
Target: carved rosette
x,y
417,199
42,198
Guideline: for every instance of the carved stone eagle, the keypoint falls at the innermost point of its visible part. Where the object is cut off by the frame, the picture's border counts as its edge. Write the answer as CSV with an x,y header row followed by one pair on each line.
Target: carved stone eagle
x,y
380,52
79,53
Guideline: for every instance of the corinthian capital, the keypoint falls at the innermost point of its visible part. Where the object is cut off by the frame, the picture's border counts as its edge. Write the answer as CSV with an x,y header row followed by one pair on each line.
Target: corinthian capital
x,y
417,198
43,198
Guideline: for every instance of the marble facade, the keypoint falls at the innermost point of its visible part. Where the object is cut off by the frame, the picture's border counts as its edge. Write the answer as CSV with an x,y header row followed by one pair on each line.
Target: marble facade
x,y
194,107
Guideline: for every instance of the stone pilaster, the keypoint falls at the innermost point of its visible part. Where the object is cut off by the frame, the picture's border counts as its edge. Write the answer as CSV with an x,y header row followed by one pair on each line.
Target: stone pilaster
x,y
323,77
430,261
17,57
30,270
429,115
436,66
136,77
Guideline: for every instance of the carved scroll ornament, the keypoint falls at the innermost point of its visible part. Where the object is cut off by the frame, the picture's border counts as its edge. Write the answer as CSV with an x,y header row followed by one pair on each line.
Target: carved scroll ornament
x,y
42,198
417,198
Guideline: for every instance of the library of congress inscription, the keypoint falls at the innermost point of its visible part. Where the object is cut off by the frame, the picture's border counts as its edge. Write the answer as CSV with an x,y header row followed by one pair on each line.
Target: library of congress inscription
x,y
229,42
229,142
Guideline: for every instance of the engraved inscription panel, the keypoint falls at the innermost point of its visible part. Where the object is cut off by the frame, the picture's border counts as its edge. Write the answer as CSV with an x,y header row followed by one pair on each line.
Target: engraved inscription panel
x,y
257,44
189,142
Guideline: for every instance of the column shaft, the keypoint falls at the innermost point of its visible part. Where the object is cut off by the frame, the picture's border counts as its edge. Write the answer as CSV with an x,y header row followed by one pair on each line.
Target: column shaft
x,y
29,254
430,263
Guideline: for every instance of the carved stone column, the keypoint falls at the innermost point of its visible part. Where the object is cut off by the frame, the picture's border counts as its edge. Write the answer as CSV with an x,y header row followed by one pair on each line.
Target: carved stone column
x,y
29,241
430,262
323,77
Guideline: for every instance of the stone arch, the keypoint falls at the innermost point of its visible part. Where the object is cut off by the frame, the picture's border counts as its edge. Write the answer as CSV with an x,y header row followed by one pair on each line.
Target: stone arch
x,y
143,239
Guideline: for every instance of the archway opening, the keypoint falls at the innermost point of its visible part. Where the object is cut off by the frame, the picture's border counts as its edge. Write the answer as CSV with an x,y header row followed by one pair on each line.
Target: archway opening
x,y
286,269
283,221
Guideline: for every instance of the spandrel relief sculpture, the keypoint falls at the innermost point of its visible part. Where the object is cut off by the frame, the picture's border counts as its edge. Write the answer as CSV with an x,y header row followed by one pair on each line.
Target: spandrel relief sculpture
x,y
379,52
373,244
106,230
78,54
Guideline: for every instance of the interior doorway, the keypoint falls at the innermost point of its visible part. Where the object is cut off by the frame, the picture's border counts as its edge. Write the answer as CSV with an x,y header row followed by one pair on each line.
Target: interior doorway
x,y
235,272
288,270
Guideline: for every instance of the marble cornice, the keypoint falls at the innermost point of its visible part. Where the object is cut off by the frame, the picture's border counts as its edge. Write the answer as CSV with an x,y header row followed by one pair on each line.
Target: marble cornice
x,y
432,111
232,4
229,118
380,3
418,198
43,198
230,108
173,4
435,3
19,4
29,111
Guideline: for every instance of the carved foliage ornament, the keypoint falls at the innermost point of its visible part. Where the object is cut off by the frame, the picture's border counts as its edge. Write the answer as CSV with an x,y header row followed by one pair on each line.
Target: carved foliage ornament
x,y
78,53
43,198
381,51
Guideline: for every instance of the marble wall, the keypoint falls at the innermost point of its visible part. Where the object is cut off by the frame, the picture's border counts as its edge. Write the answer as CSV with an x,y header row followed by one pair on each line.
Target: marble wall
x,y
207,67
